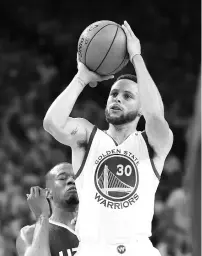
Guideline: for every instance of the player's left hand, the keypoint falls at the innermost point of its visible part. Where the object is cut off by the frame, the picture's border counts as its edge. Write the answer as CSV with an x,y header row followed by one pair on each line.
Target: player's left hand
x,y
90,77
133,43
38,203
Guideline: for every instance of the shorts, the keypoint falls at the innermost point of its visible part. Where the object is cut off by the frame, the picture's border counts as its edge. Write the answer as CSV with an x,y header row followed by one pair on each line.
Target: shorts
x,y
136,247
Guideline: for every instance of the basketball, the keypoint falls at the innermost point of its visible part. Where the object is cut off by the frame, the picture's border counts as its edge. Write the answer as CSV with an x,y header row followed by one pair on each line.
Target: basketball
x,y
102,47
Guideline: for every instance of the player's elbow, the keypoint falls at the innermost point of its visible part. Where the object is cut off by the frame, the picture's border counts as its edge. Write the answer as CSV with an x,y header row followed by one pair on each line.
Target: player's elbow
x,y
48,124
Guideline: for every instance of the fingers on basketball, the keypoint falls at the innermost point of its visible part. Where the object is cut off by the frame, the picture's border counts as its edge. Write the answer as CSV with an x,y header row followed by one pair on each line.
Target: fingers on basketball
x,y
93,84
109,77
77,57
130,31
77,60
102,78
126,30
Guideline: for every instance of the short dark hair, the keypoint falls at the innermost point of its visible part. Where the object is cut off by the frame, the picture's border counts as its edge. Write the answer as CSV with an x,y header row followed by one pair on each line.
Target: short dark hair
x,y
127,76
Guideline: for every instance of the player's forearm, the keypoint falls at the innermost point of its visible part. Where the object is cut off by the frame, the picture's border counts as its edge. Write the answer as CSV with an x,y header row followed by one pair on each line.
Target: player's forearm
x,y
40,243
151,101
62,107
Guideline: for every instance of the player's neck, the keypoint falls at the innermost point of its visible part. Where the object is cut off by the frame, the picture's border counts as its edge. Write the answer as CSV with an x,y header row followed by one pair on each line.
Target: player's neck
x,y
121,132
63,216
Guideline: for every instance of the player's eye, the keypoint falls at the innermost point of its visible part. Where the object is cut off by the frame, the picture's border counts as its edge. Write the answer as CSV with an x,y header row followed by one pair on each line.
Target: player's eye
x,y
127,96
61,178
114,94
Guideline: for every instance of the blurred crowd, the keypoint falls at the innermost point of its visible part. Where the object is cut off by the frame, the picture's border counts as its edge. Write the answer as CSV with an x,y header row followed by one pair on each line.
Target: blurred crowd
x,y
37,61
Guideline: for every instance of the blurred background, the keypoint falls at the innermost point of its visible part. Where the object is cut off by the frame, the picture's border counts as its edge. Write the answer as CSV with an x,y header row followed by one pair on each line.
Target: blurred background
x,y
38,44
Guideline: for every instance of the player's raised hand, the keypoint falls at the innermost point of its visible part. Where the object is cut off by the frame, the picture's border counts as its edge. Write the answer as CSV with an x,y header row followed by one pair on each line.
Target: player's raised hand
x,y
89,77
38,202
133,43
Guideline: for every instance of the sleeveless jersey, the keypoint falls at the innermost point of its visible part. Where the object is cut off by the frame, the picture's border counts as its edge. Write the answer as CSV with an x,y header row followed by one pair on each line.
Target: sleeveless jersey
x,y
116,185
62,240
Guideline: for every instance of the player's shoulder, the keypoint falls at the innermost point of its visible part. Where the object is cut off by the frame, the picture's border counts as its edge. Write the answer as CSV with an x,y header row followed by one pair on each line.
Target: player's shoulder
x,y
27,232
169,139
163,151
87,127
24,239
87,124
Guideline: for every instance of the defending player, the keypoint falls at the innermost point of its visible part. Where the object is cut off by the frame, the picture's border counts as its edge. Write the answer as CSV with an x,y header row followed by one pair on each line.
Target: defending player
x,y
117,171
54,236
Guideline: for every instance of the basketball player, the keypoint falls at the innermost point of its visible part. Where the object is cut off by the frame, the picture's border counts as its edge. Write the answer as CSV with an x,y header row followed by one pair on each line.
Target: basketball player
x,y
54,236
117,171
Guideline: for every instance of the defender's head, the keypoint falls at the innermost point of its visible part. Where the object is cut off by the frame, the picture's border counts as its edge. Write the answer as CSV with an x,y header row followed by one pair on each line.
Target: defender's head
x,y
123,104
61,187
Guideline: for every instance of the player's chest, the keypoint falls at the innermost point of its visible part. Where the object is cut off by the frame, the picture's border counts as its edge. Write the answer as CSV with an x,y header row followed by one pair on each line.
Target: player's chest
x,y
117,178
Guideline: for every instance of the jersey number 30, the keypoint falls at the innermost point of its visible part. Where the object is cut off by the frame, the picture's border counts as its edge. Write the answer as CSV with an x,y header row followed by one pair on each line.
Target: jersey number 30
x,y
127,170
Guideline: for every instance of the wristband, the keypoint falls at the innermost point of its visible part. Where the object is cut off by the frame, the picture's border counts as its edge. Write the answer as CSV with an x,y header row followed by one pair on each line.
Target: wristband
x,y
131,58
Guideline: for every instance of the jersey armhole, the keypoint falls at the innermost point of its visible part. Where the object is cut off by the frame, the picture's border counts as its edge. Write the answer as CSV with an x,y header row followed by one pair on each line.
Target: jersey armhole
x,y
87,151
151,154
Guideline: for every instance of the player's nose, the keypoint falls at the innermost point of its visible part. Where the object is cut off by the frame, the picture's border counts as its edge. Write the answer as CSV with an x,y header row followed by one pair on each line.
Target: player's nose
x,y
117,99
70,181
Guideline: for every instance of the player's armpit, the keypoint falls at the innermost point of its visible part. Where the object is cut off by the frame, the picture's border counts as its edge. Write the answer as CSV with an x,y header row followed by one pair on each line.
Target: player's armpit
x,y
24,239
75,129
160,137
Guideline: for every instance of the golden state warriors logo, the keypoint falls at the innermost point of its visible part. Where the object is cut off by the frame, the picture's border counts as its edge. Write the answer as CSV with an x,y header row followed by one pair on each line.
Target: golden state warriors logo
x,y
116,179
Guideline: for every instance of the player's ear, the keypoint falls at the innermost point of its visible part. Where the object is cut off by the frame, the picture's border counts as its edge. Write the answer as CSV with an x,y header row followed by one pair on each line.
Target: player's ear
x,y
48,193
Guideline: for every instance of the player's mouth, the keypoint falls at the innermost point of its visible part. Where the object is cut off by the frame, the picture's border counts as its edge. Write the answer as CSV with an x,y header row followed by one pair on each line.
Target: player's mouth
x,y
72,188
115,107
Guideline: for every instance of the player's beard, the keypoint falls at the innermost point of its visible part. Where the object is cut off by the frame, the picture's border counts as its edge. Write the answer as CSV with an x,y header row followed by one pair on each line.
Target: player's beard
x,y
122,119
71,199
68,201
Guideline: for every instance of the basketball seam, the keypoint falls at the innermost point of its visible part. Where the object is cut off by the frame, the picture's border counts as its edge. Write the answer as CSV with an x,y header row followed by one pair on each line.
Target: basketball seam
x,y
120,64
108,49
92,39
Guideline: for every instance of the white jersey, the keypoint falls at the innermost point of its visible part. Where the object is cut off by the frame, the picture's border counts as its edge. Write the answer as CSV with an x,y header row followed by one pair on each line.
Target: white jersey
x,y
116,186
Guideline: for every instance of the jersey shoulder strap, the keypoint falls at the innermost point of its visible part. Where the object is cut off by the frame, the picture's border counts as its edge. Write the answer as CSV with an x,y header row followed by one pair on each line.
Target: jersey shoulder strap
x,y
151,154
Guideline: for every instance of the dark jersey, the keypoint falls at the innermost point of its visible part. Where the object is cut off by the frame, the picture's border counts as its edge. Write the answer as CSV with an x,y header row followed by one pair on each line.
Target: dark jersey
x,y
62,240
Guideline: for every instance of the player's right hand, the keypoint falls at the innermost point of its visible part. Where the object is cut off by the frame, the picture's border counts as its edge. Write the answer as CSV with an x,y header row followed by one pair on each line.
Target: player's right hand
x,y
38,202
133,43
89,77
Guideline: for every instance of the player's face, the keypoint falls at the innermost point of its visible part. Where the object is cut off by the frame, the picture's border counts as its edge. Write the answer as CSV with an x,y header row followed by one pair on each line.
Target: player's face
x,y
64,189
123,103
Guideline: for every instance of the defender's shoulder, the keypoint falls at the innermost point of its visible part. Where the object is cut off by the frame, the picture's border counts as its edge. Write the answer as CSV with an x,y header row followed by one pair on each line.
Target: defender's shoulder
x,y
24,239
27,233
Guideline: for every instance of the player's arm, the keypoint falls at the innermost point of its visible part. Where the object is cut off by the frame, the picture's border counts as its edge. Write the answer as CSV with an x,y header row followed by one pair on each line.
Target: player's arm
x,y
157,129
57,120
34,240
